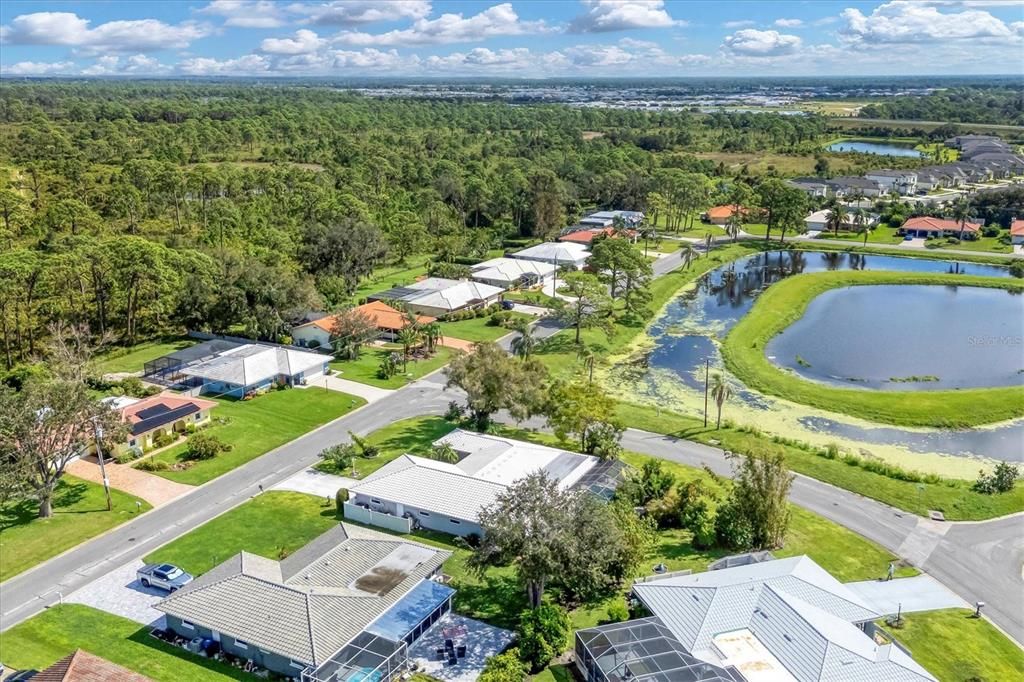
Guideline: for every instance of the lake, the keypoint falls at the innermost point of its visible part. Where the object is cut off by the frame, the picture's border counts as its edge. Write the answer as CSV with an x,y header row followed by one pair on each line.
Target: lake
x,y
880,148
684,338
907,338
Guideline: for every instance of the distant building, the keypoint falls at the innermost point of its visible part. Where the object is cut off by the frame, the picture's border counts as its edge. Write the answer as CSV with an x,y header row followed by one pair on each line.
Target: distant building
x,y
851,185
607,218
904,182
720,215
512,273
924,226
320,332
814,187
557,253
438,297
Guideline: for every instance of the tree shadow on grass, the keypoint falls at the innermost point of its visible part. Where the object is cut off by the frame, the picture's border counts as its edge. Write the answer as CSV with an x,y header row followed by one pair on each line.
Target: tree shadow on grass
x,y
416,437
22,512
142,636
497,599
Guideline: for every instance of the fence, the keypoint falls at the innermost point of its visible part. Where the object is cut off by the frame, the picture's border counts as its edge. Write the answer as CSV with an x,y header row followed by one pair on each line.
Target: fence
x,y
373,518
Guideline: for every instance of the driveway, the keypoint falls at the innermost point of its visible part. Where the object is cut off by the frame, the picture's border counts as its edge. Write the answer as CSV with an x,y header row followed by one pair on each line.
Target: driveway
x,y
370,394
154,489
316,483
120,593
915,243
920,593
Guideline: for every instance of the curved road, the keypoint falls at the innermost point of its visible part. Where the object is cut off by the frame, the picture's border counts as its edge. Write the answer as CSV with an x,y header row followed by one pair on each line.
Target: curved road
x,y
979,561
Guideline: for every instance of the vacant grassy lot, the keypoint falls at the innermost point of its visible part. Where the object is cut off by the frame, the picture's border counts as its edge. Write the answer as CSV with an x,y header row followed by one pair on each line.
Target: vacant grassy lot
x,y
364,368
955,647
79,513
133,358
44,639
272,525
784,303
257,426
758,163
478,329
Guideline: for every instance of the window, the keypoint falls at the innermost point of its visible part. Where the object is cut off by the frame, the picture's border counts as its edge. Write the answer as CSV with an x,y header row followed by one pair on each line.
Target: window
x,y
132,442
240,644
199,415
423,513
375,501
187,625
455,521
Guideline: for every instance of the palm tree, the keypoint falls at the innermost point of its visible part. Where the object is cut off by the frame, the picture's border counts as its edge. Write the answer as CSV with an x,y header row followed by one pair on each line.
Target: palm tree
x,y
708,241
688,253
720,391
647,232
586,355
444,452
733,224
961,212
524,344
837,217
432,335
408,337
860,220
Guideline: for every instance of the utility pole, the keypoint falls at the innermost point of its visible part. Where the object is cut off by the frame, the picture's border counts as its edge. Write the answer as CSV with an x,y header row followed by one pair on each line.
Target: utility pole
x,y
707,371
98,431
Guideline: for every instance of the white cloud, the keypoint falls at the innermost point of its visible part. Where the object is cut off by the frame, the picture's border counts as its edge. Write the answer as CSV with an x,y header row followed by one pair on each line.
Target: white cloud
x,y
824,21
247,65
66,28
750,42
246,13
499,20
602,16
304,42
113,65
39,68
350,12
789,23
907,22
640,44
741,23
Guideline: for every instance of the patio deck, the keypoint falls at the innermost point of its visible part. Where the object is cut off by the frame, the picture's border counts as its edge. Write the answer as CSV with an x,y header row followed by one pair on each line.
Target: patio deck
x,y
482,641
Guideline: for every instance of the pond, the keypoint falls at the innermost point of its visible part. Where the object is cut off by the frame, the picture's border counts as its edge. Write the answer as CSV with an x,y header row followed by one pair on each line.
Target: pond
x,y
907,338
880,148
672,370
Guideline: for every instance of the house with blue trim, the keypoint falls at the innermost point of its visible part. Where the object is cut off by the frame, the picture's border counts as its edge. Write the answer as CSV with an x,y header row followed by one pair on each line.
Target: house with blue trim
x,y
254,367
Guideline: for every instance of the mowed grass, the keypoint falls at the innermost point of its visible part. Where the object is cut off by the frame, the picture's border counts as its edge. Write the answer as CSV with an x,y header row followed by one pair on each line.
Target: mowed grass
x,y
134,358
953,497
257,426
80,513
955,647
389,276
53,634
882,234
413,436
272,525
784,303
478,329
364,368
759,163
985,244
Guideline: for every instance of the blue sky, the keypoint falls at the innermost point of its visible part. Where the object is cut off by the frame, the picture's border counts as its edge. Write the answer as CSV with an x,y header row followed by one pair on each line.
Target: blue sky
x,y
518,38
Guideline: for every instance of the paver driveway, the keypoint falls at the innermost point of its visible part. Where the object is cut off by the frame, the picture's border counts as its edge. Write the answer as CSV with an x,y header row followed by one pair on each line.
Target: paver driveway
x,y
120,593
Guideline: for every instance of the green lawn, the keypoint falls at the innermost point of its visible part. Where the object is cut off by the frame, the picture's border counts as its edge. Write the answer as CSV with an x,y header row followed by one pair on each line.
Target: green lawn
x,y
882,234
272,525
383,278
784,303
80,513
882,249
477,329
984,244
133,358
413,435
955,647
537,298
257,426
954,498
44,639
364,369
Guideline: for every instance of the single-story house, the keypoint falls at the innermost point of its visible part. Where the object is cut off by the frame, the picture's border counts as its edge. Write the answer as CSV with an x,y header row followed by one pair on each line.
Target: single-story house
x,y
902,181
924,226
81,666
719,215
512,273
819,221
162,413
344,607
437,297
557,253
785,620
587,235
1017,231
448,497
254,367
852,185
319,333
607,218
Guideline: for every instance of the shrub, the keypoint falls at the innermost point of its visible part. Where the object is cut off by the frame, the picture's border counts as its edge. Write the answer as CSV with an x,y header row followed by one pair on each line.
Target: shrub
x,y
543,634
506,667
339,457
732,529
153,465
618,612
340,498
205,446
164,439
367,450
455,412
1017,268
652,483
831,451
1001,480
125,457
991,231
313,343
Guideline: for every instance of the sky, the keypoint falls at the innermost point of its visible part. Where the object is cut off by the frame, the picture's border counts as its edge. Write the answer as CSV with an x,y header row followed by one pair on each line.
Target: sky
x,y
517,38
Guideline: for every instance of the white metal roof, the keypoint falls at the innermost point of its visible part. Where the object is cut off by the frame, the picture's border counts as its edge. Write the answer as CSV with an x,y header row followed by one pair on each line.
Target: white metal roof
x,y
253,363
511,269
795,608
452,294
563,252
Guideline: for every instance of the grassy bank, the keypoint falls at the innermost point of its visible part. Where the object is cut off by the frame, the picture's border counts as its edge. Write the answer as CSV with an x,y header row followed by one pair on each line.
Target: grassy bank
x,y
255,427
79,513
785,302
936,254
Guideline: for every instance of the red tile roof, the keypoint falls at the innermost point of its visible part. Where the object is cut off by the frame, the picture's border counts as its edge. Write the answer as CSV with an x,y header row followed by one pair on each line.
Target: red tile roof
x,y
938,225
170,400
383,315
723,211
1017,228
81,666
588,235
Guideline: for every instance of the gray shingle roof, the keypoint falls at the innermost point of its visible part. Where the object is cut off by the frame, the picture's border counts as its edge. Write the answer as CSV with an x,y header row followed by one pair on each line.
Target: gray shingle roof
x,y
310,605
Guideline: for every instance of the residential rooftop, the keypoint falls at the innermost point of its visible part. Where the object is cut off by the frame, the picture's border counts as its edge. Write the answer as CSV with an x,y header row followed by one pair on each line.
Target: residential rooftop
x,y
253,363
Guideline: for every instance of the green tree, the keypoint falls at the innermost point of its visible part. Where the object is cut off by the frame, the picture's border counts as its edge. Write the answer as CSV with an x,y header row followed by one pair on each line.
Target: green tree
x,y
760,495
493,381
590,304
543,635
444,452
720,392
409,337
525,343
584,411
352,329
837,217
505,667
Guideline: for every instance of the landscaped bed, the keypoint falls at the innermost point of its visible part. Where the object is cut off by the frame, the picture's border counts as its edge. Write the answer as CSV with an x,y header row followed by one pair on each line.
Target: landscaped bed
x,y
479,329
785,302
257,426
364,368
79,513
413,436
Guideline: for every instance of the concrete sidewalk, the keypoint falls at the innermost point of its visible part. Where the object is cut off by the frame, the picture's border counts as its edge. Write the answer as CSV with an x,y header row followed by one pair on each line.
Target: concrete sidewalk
x,y
920,593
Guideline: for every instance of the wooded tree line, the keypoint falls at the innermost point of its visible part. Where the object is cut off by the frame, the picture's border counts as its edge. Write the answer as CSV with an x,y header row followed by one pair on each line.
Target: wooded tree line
x,y
990,104
142,208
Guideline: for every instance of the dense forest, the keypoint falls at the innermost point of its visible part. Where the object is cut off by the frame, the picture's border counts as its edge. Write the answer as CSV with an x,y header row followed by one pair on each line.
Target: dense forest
x,y
139,208
999,105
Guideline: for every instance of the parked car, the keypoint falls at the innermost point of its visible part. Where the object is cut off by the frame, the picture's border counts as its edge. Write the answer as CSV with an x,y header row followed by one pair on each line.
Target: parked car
x,y
165,576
